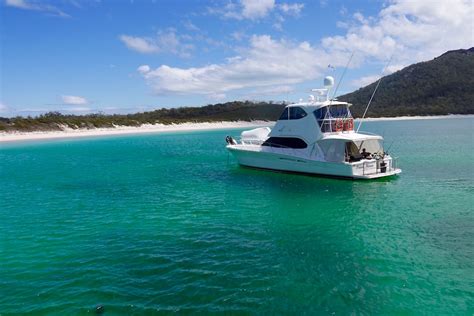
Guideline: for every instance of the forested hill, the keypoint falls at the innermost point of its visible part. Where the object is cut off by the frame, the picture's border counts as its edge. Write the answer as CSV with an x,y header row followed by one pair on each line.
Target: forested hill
x,y
230,111
444,85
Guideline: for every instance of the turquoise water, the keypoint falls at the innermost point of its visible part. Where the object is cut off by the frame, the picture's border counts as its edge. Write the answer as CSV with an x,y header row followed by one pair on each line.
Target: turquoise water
x,y
149,223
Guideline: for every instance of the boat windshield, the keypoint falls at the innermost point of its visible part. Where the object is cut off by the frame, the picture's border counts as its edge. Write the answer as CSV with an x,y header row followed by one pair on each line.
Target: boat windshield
x,y
292,113
328,115
339,111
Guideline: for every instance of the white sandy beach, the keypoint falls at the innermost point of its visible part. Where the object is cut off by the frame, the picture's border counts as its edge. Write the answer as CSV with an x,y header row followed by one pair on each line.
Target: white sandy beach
x,y
123,130
161,128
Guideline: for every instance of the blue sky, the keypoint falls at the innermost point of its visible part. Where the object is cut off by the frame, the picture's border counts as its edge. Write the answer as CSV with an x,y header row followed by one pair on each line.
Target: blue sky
x,y
127,56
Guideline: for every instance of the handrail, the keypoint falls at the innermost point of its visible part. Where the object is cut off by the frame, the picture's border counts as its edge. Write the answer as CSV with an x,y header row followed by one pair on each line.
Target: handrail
x,y
323,124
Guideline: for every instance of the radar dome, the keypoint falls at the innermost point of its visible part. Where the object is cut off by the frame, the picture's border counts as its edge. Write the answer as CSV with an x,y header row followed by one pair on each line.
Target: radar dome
x,y
328,82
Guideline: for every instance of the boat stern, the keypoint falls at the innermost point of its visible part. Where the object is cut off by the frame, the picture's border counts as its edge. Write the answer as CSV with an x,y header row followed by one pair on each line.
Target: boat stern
x,y
375,168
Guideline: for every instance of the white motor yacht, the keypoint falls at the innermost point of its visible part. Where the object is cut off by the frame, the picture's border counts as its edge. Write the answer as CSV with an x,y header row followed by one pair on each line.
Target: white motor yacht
x,y
315,137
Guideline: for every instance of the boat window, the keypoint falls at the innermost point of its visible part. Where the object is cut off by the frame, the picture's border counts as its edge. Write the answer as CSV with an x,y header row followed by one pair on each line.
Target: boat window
x,y
292,113
323,121
284,115
339,111
296,113
285,142
320,113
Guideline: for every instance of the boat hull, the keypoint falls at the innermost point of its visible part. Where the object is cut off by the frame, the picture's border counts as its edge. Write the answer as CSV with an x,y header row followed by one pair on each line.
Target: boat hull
x,y
297,164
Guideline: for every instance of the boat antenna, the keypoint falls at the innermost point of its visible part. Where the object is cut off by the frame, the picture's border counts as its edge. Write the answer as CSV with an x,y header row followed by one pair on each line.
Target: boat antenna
x,y
373,94
342,76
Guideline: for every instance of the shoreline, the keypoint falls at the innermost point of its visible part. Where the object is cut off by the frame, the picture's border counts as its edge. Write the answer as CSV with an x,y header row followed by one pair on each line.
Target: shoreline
x,y
8,137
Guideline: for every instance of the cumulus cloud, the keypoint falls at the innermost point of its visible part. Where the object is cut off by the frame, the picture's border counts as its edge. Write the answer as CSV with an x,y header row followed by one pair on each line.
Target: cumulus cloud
x,y
266,63
143,69
140,44
291,9
256,9
410,30
74,100
268,91
167,41
36,6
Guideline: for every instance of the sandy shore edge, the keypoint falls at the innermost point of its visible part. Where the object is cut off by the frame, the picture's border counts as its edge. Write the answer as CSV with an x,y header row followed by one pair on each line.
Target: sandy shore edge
x,y
123,130
161,128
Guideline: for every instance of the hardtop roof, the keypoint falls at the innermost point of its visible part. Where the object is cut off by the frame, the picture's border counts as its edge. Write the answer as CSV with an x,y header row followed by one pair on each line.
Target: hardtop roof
x,y
318,104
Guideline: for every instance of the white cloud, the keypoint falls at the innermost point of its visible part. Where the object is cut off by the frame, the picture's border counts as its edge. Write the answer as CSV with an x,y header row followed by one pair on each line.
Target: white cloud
x,y
276,90
143,69
363,81
238,36
269,91
36,6
3,107
256,9
21,4
140,44
74,100
410,30
191,27
266,63
216,96
291,9
245,9
78,109
164,42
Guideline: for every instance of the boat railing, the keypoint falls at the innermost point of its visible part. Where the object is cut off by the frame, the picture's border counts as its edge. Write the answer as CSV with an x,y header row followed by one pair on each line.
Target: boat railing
x,y
338,124
394,163
368,167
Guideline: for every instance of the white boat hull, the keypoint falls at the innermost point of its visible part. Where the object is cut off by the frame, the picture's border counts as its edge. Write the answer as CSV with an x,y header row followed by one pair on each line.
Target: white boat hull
x,y
294,163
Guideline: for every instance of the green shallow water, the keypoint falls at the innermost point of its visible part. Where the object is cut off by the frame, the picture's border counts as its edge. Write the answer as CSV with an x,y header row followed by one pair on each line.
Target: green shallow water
x,y
149,223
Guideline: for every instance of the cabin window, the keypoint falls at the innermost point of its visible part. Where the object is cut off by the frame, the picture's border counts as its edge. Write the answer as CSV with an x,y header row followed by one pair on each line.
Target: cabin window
x,y
285,142
339,111
296,113
321,116
326,116
284,115
292,113
320,113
